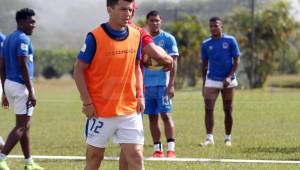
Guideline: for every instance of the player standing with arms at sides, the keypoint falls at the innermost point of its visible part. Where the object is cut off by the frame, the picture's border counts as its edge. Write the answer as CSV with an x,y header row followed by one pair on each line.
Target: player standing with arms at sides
x,y
109,79
159,88
18,86
220,59
2,38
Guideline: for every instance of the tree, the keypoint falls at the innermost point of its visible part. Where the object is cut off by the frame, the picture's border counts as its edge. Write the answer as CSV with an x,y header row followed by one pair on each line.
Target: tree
x,y
189,33
273,27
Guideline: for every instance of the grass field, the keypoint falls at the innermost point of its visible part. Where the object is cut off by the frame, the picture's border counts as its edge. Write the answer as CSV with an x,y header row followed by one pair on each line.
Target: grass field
x,y
266,126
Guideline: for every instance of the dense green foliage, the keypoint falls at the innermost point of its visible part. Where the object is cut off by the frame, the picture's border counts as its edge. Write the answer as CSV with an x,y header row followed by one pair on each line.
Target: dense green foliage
x,y
54,63
188,31
273,49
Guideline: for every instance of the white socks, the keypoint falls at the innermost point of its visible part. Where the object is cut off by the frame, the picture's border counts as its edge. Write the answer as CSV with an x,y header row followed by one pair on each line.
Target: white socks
x,y
28,160
2,157
210,137
158,147
171,146
227,137
1,141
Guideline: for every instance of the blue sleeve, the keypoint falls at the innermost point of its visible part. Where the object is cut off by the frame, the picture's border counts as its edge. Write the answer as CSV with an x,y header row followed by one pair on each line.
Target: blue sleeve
x,y
139,51
2,38
204,55
1,48
172,47
88,49
235,50
23,46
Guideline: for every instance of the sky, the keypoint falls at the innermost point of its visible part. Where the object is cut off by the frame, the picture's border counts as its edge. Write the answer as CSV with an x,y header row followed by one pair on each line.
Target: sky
x,y
79,17
296,11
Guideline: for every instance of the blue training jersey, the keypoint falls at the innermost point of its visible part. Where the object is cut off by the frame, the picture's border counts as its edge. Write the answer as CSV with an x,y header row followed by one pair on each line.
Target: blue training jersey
x,y
160,77
219,53
16,45
2,38
88,49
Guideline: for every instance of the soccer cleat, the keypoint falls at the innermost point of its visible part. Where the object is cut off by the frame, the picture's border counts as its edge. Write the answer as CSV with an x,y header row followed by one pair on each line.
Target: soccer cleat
x,y
171,154
158,154
227,142
3,165
32,166
207,142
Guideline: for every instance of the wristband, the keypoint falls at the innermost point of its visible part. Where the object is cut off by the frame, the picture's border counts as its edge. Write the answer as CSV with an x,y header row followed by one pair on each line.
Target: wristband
x,y
87,104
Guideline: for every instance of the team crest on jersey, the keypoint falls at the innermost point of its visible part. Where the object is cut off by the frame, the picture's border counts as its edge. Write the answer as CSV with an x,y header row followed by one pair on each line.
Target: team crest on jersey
x,y
225,45
210,47
161,43
24,47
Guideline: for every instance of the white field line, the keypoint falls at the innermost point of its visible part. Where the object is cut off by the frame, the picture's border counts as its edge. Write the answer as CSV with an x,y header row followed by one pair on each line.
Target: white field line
x,y
181,102
82,158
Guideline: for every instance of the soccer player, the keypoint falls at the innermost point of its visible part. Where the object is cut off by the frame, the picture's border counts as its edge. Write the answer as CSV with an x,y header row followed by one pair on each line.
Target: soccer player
x,y
2,38
109,79
18,67
159,88
220,59
148,46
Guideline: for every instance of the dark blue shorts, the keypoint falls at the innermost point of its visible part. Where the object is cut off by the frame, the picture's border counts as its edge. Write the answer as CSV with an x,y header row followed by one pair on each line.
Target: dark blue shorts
x,y
157,100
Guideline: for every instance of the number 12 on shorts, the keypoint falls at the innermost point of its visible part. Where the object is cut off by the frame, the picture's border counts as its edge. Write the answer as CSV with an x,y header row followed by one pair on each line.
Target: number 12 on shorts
x,y
93,125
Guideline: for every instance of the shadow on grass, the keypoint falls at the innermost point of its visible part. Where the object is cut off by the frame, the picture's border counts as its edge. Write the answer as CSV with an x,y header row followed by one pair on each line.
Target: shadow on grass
x,y
282,150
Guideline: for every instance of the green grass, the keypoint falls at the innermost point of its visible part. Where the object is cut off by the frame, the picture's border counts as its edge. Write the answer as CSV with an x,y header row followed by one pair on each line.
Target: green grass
x,y
266,126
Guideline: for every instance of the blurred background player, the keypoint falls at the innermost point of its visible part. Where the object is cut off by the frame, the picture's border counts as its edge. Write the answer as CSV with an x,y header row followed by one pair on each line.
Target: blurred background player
x,y
159,88
18,68
109,78
2,38
220,59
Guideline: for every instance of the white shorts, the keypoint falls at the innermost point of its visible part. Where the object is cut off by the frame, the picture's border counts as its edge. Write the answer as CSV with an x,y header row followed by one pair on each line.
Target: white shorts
x,y
1,91
122,129
17,96
219,84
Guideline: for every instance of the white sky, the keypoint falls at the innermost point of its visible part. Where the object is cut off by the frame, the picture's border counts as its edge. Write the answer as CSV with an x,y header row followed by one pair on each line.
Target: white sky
x,y
296,10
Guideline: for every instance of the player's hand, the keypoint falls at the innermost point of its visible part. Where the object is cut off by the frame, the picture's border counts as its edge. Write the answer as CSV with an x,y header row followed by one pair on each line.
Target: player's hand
x,y
140,105
168,67
4,102
89,110
171,91
226,82
31,101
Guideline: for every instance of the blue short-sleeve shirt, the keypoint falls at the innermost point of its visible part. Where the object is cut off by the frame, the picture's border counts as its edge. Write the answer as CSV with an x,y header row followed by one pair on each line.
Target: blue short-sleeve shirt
x,y
17,44
219,53
160,77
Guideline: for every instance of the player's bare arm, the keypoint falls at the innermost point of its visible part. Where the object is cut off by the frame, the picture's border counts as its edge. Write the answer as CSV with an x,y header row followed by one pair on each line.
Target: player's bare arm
x,y
139,88
4,101
25,75
204,65
165,60
236,63
87,105
173,71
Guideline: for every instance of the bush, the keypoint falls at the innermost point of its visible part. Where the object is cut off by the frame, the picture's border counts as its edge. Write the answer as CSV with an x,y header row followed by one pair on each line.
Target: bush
x,y
54,63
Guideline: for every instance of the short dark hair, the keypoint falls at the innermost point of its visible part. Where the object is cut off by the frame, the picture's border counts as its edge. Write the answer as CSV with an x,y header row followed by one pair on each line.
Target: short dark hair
x,y
214,19
22,14
112,3
152,13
